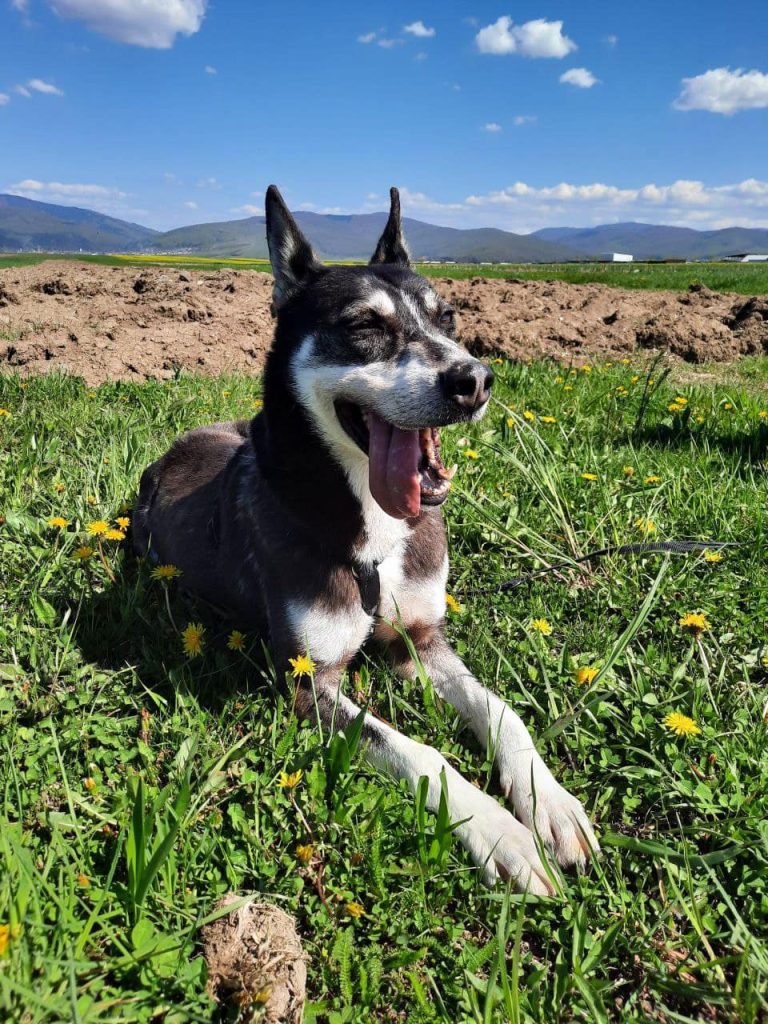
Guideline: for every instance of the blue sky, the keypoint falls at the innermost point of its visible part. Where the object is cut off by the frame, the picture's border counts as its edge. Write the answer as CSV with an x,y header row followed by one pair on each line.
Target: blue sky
x,y
518,116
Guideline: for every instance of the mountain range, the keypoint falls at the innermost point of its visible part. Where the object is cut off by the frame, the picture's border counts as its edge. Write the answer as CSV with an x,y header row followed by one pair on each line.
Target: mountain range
x,y
27,225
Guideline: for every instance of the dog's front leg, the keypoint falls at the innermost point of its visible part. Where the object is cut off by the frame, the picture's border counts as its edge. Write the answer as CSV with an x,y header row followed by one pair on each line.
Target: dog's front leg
x,y
539,800
498,844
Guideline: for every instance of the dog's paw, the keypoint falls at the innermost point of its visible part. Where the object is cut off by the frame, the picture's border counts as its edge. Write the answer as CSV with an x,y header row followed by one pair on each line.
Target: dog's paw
x,y
503,848
558,819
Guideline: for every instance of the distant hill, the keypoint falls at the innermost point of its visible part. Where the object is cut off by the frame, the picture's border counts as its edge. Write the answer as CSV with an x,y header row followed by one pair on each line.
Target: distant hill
x,y
28,225
658,241
354,236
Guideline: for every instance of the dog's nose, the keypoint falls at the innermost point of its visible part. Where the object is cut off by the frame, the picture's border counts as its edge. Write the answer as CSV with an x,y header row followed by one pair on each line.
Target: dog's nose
x,y
468,385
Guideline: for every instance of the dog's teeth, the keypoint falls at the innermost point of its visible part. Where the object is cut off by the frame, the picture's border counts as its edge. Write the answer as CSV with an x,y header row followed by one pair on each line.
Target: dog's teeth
x,y
448,474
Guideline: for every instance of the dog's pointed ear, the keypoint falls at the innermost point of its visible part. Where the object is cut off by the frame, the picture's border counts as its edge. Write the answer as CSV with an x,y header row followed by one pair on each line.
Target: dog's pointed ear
x,y
392,247
293,261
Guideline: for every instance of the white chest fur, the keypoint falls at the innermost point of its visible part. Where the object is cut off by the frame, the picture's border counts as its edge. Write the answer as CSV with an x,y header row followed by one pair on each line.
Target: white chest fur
x,y
411,600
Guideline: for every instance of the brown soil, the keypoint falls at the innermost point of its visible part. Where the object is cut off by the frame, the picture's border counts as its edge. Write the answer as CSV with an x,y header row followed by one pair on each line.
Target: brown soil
x,y
255,961
105,323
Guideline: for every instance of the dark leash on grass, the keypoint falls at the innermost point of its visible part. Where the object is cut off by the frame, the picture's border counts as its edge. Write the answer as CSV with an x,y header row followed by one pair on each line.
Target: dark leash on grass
x,y
675,547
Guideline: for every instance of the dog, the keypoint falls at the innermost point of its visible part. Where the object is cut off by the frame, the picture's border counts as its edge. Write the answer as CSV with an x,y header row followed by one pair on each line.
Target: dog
x,y
318,524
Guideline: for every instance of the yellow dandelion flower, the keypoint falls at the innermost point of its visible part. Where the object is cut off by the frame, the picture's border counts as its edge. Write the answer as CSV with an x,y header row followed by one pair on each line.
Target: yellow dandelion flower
x,y
114,535
453,604
652,479
302,665
559,380
83,880
59,522
264,994
568,387
290,781
91,499
257,404
165,572
728,406
355,909
90,784
763,414
589,476
305,853
549,419
646,526
585,676
59,487
628,471
529,415
5,938
498,362
226,394
694,622
681,399
470,453
4,413
98,527
699,419
236,640
510,421
635,379
681,725
713,557
586,368
83,553
123,522
542,626
192,639
626,362
675,407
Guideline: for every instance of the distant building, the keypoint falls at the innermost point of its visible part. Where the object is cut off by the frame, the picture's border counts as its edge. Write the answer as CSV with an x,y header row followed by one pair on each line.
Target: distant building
x,y
747,257
616,257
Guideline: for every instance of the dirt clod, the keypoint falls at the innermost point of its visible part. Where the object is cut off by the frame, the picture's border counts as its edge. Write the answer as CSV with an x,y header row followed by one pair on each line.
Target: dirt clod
x,y
135,326
256,961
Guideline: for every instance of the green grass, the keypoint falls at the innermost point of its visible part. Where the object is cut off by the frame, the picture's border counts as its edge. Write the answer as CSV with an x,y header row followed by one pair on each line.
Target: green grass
x,y
745,279
115,746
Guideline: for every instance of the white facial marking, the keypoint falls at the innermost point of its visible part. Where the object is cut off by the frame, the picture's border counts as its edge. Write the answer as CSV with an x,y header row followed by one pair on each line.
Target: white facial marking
x,y
329,637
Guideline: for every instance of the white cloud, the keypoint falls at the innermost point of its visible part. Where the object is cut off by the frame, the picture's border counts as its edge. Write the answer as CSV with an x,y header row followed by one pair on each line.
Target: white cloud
x,y
722,91
580,77
522,119
61,189
210,70
387,44
20,5
150,23
191,205
170,179
492,127
211,183
4,98
22,91
611,40
522,207
250,209
367,37
421,55
38,85
537,38
419,29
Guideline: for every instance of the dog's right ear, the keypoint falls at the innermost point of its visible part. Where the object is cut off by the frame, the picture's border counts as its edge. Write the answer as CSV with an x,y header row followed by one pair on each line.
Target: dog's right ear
x,y
293,261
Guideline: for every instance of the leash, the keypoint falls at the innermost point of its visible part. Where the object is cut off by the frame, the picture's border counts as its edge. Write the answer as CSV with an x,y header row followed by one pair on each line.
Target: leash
x,y
677,547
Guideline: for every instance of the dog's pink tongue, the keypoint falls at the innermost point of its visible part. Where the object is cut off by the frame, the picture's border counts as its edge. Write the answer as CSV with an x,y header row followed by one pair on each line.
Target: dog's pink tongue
x,y
393,468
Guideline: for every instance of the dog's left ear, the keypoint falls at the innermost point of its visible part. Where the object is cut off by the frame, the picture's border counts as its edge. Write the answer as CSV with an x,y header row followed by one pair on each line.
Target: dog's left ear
x,y
391,247
293,261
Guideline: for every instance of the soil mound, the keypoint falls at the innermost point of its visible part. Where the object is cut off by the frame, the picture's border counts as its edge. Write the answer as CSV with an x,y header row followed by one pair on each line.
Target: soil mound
x,y
104,323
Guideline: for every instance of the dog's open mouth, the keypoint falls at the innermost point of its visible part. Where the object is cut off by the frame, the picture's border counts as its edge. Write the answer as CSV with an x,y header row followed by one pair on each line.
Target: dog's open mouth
x,y
405,470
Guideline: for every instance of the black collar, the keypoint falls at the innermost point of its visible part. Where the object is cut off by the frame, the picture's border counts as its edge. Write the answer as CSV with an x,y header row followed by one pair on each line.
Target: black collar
x,y
368,583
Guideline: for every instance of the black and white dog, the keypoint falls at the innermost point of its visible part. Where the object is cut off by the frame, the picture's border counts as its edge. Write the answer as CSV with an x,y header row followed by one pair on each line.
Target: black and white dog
x,y
318,524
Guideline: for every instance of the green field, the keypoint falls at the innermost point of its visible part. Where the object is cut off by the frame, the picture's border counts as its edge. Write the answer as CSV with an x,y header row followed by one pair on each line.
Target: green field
x,y
139,785
744,278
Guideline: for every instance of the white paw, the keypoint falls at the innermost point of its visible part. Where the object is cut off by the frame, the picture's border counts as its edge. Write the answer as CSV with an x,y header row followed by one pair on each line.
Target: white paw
x,y
557,818
501,847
